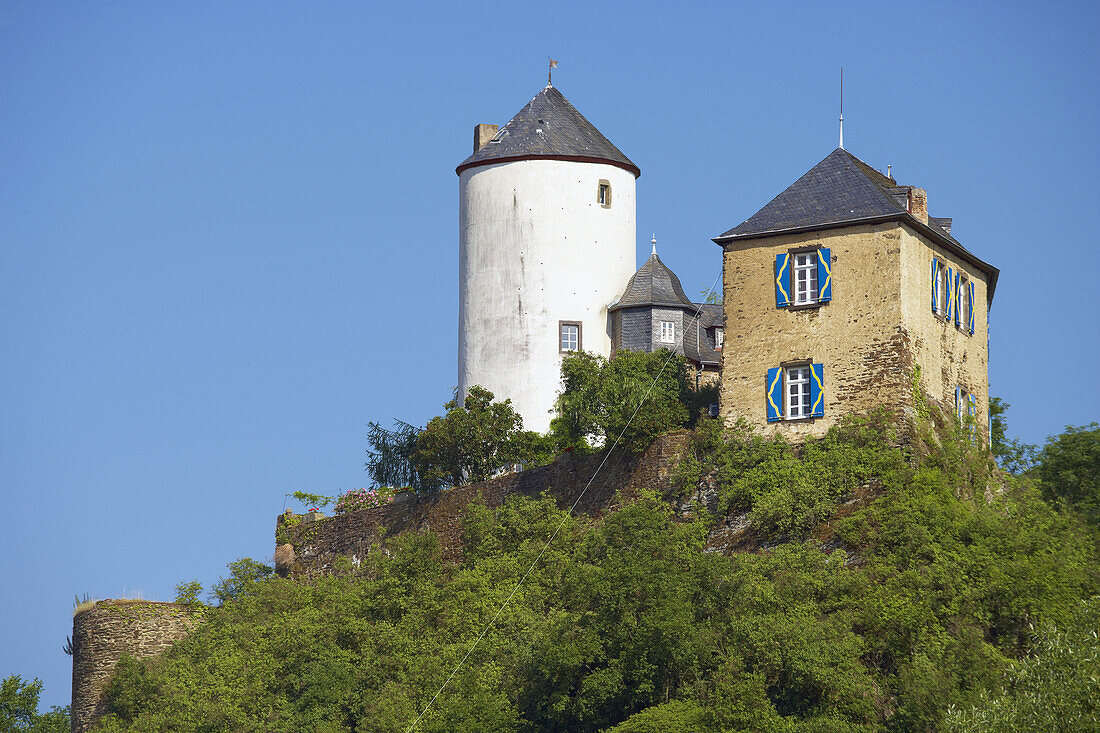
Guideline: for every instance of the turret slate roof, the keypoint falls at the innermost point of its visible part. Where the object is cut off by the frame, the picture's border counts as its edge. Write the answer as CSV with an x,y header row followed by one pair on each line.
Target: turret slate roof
x,y
653,284
549,127
842,190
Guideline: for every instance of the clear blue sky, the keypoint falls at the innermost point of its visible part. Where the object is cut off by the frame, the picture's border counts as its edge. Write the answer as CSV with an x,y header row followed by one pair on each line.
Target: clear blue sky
x,y
228,231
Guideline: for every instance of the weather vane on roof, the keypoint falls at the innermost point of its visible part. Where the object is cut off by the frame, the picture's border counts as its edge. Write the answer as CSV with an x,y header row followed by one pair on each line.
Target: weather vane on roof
x,y
553,65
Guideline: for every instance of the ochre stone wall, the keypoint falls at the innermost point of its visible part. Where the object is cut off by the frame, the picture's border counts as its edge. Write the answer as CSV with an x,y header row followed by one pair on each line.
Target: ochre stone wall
x,y
878,326
947,356
102,633
857,336
317,545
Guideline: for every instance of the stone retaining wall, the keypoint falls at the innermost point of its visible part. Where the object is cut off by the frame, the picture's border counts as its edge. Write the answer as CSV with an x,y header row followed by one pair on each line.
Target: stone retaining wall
x,y
312,548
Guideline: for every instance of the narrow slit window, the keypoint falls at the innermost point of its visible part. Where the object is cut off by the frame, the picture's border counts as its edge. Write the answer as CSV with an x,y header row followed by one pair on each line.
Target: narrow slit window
x,y
603,194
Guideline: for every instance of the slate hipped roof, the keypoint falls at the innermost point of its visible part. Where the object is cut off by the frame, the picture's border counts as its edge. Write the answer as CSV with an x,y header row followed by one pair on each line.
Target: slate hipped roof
x,y
842,190
549,127
653,284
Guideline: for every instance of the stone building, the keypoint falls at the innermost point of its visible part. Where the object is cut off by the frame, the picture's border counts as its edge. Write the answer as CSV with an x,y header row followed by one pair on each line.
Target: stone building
x,y
654,313
837,292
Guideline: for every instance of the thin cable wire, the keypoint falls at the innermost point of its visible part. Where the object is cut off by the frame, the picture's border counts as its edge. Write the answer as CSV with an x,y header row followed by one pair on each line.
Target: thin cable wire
x,y
568,516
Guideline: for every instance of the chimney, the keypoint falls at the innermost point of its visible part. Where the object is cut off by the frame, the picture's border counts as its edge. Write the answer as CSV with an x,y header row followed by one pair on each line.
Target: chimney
x,y
918,204
483,133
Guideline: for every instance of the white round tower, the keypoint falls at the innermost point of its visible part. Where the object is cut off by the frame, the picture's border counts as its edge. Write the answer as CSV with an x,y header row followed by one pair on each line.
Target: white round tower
x,y
546,243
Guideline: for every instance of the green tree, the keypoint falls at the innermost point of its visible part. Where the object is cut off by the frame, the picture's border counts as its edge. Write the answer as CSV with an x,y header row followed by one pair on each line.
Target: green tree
x,y
390,457
1013,455
243,574
1056,687
473,442
628,400
1068,470
19,708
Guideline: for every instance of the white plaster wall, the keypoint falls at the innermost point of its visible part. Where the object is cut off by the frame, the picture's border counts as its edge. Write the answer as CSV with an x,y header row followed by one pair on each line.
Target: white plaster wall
x,y
536,248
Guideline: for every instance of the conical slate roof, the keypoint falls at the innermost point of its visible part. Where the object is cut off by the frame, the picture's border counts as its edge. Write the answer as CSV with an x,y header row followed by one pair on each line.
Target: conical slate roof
x,y
549,127
841,188
653,284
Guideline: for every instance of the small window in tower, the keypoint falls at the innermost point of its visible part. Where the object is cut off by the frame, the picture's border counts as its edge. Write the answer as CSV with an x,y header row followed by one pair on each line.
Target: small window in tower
x,y
668,332
569,336
603,195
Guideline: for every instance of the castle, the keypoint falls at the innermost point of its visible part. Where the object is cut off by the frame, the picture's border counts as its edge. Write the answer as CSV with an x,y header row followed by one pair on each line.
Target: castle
x,y
837,294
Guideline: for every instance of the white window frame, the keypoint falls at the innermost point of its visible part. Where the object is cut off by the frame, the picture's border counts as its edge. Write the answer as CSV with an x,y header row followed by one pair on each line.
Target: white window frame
x,y
569,337
668,332
961,301
943,287
796,392
719,338
804,278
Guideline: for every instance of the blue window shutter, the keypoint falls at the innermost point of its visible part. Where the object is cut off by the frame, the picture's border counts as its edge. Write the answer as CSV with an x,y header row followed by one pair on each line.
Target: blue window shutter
x,y
958,400
817,390
957,290
935,286
824,274
782,280
972,406
950,292
970,302
774,387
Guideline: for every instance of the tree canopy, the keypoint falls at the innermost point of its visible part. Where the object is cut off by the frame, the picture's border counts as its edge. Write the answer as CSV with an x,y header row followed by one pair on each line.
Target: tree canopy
x,y
916,609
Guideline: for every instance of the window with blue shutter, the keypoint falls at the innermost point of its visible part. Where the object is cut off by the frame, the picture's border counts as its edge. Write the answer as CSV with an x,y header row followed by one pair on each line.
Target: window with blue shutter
x,y
782,280
774,390
958,297
825,274
817,390
950,293
970,307
935,285
803,278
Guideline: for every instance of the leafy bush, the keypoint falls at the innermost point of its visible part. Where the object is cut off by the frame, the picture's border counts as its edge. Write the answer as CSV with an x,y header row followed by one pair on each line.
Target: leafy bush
x,y
628,400
474,441
925,620
243,574
357,499
188,592
1068,470
785,492
19,708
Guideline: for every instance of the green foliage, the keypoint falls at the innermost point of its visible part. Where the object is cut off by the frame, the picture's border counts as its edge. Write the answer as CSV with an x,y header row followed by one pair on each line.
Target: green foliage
x,y
188,592
1013,455
19,708
1056,687
243,575
474,441
310,501
390,458
1068,471
627,624
628,400
788,493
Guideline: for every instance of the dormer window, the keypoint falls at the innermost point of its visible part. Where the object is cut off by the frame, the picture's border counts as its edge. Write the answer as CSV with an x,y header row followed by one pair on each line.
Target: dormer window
x,y
719,338
603,194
